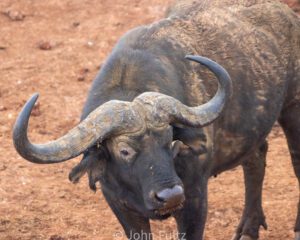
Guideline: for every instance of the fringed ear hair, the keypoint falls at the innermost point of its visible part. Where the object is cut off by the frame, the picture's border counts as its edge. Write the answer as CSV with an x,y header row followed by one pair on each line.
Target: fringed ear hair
x,y
95,171
79,170
92,163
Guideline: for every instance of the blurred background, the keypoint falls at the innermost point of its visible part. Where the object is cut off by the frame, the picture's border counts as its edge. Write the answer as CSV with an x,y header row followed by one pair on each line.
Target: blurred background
x,y
56,48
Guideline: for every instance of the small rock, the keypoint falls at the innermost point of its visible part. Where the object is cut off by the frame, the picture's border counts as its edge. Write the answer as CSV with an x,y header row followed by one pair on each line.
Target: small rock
x,y
75,24
80,78
62,195
82,74
84,70
56,237
90,44
42,132
3,167
117,24
45,45
3,108
14,15
4,222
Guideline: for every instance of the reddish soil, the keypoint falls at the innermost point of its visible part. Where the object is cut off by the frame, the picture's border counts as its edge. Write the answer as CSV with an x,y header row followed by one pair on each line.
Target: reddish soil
x,y
55,48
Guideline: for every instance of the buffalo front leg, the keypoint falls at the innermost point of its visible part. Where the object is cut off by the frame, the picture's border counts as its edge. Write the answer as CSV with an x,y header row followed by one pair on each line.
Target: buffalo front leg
x,y
253,216
192,217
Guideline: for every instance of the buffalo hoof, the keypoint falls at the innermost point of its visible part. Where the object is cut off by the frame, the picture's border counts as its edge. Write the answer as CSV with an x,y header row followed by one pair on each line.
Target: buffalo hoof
x,y
297,235
246,237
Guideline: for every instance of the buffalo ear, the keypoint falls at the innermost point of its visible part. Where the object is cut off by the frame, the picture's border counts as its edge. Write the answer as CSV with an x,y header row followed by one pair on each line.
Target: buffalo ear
x,y
93,163
191,139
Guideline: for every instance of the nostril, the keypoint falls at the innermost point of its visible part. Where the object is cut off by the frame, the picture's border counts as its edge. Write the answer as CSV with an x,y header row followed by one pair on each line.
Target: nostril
x,y
171,196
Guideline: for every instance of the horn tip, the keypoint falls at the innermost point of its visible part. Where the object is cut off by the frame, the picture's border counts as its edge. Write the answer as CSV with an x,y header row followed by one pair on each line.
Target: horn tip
x,y
35,96
32,100
22,120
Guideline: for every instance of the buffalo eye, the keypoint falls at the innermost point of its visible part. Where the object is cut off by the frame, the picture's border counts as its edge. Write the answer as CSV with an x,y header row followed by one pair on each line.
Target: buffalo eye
x,y
124,152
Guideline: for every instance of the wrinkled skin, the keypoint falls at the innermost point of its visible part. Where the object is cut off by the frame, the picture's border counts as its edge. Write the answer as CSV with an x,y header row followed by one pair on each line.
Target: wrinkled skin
x,y
137,170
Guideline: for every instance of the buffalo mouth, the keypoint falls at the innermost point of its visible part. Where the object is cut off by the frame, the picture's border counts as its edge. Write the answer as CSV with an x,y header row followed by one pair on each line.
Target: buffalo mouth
x,y
167,200
165,211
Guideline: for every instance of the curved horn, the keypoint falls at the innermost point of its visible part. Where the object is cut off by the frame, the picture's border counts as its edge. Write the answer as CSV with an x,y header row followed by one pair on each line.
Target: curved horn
x,y
166,108
205,114
109,118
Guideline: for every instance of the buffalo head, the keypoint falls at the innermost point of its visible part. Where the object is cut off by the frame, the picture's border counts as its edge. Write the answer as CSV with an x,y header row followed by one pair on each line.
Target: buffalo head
x,y
129,146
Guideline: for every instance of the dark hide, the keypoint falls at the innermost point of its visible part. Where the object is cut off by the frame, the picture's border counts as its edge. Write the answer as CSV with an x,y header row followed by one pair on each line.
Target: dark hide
x,y
258,42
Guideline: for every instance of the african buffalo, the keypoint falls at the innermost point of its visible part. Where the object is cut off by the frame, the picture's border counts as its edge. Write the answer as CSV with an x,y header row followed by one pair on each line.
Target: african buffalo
x,y
152,154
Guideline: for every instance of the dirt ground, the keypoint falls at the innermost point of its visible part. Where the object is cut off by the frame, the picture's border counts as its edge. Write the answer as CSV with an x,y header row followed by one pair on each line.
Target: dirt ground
x,y
55,48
